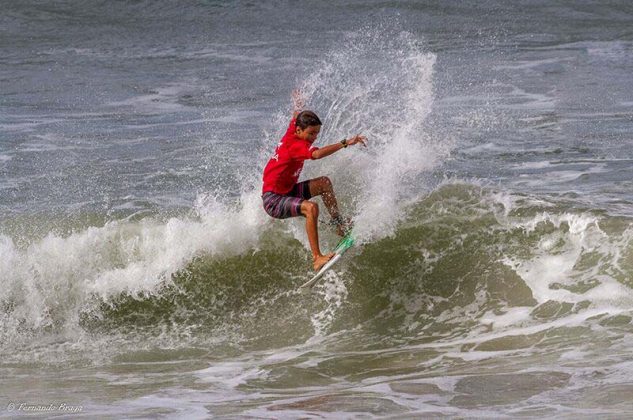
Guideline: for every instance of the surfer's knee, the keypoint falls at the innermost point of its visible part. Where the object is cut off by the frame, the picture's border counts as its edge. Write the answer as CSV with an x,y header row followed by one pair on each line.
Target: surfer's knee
x,y
310,209
325,183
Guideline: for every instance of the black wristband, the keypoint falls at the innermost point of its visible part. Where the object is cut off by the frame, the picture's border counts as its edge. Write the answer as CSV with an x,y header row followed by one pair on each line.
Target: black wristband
x,y
344,142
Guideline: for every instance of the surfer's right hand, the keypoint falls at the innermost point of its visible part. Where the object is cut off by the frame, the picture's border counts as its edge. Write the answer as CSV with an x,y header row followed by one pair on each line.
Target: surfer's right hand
x,y
357,139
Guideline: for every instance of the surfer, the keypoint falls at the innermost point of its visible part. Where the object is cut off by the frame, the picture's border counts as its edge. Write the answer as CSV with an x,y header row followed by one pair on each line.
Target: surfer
x,y
284,196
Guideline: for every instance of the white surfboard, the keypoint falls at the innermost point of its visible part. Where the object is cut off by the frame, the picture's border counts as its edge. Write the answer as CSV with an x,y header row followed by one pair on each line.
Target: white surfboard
x,y
345,244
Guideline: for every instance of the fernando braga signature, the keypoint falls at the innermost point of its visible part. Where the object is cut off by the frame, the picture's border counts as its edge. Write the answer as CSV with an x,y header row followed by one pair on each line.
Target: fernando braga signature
x,y
41,408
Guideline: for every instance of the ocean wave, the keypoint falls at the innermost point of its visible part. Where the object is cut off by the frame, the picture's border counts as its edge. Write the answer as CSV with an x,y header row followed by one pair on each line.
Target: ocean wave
x,y
466,265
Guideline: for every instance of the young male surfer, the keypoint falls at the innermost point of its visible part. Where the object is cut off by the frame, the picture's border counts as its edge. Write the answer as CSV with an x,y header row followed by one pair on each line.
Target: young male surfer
x,y
284,196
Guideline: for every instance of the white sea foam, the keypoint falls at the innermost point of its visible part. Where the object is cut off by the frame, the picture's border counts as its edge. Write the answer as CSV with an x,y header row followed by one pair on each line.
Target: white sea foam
x,y
334,292
52,280
557,269
573,261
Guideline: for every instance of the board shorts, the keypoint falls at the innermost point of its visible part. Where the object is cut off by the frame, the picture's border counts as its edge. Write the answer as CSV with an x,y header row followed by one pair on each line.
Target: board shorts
x,y
287,205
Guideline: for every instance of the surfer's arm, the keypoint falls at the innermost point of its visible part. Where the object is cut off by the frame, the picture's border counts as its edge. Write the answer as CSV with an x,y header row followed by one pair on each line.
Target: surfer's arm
x,y
327,150
333,148
297,103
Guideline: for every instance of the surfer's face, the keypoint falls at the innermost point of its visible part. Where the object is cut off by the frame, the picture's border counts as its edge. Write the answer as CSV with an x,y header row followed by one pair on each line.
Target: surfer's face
x,y
310,133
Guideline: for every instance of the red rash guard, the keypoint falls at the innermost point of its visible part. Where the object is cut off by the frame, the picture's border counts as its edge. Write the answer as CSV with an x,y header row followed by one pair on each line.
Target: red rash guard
x,y
283,169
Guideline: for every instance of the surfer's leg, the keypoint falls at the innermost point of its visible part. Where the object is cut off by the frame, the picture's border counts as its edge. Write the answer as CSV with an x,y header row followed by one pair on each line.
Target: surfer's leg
x,y
311,212
323,186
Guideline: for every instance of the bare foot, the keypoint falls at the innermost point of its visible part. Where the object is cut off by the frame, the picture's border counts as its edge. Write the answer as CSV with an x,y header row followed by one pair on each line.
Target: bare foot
x,y
321,260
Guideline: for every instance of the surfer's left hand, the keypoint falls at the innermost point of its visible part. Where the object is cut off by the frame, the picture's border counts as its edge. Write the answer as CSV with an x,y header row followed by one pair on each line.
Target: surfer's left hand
x,y
357,139
298,100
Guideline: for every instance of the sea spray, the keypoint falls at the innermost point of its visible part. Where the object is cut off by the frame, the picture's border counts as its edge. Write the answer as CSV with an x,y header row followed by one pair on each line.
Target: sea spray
x,y
378,83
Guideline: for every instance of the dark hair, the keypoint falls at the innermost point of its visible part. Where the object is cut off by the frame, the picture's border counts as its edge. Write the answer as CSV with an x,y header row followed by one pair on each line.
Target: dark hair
x,y
307,119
